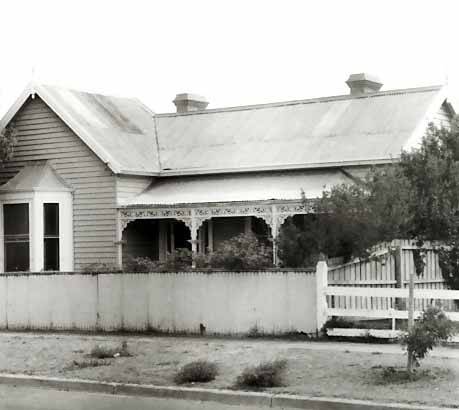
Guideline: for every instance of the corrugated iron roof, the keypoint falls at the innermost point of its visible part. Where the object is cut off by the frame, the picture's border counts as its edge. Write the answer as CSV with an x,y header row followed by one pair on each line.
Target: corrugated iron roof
x,y
300,133
38,176
238,187
123,128
316,133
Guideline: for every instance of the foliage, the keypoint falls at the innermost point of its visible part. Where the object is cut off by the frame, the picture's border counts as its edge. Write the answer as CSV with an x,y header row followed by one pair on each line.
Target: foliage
x,y
199,371
397,375
431,329
355,217
267,374
297,246
243,252
105,352
7,142
140,264
101,267
177,261
415,198
349,219
336,322
83,364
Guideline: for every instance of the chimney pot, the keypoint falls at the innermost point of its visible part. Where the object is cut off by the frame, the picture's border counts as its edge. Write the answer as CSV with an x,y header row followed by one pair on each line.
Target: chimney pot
x,y
363,83
187,102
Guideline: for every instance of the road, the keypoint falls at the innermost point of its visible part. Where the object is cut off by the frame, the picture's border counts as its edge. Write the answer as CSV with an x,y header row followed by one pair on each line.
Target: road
x,y
26,398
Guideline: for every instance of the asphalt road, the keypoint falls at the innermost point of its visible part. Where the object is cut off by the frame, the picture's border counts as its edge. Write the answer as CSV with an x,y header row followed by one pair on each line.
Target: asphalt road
x,y
25,398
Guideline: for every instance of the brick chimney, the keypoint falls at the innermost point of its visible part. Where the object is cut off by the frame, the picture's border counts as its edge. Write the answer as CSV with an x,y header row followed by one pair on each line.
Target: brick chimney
x,y
190,102
363,83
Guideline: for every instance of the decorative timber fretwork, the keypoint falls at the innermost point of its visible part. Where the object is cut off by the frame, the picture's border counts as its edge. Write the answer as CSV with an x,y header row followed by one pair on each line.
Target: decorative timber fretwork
x,y
195,215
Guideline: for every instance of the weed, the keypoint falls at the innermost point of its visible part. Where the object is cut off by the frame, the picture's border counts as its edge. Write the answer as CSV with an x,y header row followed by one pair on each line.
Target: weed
x,y
105,352
254,332
266,374
76,364
199,371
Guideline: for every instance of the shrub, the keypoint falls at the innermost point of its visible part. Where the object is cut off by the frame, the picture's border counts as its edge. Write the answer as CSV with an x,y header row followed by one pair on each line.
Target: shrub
x,y
200,371
102,267
140,264
336,322
243,252
431,329
267,374
179,260
104,352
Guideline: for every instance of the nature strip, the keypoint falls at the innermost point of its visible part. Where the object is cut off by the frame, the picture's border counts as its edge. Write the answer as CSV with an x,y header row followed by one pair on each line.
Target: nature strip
x,y
230,397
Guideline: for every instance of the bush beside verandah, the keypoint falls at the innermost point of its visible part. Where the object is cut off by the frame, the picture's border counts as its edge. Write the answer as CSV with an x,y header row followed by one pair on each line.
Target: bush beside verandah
x,y
241,253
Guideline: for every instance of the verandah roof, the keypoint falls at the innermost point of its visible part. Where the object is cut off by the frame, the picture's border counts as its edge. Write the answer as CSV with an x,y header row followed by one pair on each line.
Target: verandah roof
x,y
238,188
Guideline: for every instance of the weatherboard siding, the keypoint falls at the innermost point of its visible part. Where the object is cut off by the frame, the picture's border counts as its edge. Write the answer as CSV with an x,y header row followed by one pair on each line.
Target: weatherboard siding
x,y
128,186
442,118
42,135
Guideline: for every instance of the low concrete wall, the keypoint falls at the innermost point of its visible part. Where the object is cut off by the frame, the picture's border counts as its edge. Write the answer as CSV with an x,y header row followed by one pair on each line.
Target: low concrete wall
x,y
223,302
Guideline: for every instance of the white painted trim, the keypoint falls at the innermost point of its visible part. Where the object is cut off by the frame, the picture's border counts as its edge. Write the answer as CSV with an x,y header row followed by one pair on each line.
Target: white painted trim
x,y
26,93
392,292
28,199
35,200
65,201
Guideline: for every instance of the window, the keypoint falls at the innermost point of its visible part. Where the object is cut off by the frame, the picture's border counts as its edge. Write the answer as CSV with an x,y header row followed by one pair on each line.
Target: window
x,y
16,235
51,236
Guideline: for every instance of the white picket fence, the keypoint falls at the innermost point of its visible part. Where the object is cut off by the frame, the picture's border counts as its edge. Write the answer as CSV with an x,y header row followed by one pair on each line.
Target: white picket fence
x,y
390,267
360,303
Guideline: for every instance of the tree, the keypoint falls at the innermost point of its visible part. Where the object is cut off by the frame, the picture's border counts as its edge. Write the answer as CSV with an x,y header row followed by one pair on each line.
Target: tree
x,y
7,142
350,219
416,198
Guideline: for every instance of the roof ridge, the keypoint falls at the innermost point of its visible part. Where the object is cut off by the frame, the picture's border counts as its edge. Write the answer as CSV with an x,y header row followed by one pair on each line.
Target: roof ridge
x,y
306,101
76,90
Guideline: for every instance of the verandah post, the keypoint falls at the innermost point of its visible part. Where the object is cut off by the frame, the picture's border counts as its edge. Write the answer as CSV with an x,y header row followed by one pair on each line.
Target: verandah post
x,y
321,297
194,239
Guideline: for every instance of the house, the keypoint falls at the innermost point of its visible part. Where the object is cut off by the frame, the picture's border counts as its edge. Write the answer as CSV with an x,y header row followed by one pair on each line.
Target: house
x,y
98,179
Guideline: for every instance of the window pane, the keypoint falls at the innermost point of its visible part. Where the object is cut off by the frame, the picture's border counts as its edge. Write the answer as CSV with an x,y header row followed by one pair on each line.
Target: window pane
x,y
16,219
51,248
51,219
16,256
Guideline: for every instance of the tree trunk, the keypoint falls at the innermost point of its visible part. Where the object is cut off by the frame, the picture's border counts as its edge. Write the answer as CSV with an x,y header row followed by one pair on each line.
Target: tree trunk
x,y
409,366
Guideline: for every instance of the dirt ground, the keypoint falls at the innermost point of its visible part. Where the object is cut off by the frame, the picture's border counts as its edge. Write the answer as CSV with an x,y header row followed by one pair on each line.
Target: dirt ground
x,y
313,368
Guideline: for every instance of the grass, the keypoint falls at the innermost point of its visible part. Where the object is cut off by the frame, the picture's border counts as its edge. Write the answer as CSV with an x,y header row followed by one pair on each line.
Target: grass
x,y
83,364
399,375
262,376
199,371
313,369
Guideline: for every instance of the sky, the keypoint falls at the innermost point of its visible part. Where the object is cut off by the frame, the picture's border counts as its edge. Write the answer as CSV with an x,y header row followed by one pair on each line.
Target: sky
x,y
234,52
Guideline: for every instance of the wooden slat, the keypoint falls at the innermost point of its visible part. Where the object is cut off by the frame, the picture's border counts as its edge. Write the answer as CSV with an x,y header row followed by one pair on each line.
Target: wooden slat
x,y
392,292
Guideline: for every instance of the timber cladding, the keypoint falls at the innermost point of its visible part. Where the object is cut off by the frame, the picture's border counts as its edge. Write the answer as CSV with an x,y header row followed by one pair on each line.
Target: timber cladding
x,y
42,135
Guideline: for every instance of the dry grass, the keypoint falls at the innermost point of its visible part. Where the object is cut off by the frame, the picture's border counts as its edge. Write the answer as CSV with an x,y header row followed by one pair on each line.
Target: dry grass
x,y
310,371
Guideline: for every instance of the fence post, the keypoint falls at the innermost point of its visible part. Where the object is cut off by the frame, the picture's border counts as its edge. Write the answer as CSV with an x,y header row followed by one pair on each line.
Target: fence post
x,y
321,298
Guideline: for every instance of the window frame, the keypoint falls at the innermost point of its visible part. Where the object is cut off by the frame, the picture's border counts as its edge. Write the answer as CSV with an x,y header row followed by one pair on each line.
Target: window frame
x,y
51,236
19,201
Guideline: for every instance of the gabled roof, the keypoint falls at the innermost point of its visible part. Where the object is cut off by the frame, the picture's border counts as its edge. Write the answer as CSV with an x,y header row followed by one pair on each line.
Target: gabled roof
x,y
315,133
279,185
36,177
120,131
